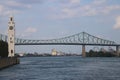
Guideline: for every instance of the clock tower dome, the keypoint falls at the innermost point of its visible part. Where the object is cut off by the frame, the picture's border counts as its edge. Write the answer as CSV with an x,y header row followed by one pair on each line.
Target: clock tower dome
x,y
11,37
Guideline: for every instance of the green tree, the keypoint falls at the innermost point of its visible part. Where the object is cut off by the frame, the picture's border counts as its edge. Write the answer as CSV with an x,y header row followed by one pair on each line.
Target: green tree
x,y
3,49
92,53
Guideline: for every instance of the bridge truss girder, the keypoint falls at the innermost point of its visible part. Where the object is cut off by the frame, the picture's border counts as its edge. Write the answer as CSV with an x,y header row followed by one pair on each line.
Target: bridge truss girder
x,y
80,38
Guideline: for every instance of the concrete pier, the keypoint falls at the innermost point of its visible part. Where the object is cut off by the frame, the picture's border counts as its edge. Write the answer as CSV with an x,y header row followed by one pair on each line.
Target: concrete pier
x,y
117,51
83,51
7,62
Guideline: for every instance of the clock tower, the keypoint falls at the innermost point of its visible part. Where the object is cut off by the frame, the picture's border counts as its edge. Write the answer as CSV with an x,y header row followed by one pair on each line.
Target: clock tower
x,y
11,37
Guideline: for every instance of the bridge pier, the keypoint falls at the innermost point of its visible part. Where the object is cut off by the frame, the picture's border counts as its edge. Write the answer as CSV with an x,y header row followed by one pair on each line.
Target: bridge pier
x,y
117,51
83,51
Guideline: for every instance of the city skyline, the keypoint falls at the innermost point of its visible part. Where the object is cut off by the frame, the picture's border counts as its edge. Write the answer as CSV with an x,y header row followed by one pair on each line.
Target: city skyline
x,y
49,19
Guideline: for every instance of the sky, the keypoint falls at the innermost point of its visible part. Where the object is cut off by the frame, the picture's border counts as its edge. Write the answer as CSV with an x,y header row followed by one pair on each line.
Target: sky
x,y
50,19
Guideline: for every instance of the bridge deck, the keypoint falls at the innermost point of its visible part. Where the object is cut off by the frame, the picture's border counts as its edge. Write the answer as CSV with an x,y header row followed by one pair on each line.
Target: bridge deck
x,y
67,44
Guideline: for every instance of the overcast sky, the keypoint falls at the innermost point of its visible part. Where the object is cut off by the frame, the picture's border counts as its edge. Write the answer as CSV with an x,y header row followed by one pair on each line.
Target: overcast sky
x,y
49,19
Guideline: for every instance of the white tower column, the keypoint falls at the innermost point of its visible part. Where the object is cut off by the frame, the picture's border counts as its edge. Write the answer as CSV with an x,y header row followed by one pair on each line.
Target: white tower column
x,y
11,37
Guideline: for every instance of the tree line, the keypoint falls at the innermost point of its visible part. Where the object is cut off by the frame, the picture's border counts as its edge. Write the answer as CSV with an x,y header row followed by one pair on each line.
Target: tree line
x,y
92,53
3,49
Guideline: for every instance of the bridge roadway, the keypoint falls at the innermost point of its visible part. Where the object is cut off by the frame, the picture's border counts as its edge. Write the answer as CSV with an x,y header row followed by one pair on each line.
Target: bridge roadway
x,y
67,44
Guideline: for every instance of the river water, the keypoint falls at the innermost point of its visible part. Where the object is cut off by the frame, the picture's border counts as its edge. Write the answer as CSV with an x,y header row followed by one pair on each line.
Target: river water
x,y
63,68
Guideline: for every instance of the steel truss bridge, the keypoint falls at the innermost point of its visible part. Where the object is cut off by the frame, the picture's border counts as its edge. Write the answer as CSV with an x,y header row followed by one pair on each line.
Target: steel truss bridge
x,y
82,38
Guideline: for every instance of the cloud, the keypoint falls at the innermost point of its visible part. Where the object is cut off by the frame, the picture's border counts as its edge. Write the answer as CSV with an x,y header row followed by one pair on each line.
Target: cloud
x,y
27,32
109,9
67,1
94,8
117,24
15,4
31,1
74,1
4,11
2,8
10,7
99,2
31,30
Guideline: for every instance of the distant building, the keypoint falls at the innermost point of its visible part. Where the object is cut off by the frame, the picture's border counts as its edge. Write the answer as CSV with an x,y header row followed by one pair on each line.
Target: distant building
x,y
60,53
103,50
111,50
21,54
54,52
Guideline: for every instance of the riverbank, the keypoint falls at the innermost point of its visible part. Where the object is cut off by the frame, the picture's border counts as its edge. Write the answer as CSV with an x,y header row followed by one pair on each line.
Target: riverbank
x,y
7,62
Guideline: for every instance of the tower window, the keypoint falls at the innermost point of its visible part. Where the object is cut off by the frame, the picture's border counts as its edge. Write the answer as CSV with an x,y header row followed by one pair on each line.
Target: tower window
x,y
11,19
11,51
10,38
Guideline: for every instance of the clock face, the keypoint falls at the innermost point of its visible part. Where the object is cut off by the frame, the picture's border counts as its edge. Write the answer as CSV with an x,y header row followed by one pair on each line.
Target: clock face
x,y
11,28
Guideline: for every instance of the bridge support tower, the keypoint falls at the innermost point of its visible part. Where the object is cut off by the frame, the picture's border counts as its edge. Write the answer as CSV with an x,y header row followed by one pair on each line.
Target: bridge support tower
x,y
117,51
83,51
